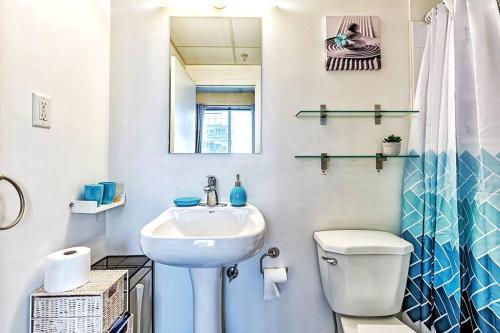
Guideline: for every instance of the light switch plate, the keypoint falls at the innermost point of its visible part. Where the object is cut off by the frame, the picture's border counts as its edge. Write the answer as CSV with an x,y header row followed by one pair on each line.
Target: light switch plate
x,y
41,111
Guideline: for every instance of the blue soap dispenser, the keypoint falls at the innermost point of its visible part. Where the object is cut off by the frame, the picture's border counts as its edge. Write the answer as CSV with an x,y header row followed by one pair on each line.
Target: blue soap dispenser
x,y
238,195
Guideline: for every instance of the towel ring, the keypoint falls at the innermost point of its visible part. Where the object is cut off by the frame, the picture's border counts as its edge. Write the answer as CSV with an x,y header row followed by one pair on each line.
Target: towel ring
x,y
21,200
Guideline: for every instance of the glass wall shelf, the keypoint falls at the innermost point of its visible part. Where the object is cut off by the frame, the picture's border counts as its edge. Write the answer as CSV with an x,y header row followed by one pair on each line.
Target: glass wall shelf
x,y
377,113
355,113
354,156
379,159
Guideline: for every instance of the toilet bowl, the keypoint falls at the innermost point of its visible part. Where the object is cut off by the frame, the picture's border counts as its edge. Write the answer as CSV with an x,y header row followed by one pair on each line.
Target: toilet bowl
x,y
363,274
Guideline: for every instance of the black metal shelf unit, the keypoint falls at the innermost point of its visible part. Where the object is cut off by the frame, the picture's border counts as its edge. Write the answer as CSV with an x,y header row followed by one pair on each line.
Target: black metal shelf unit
x,y
138,266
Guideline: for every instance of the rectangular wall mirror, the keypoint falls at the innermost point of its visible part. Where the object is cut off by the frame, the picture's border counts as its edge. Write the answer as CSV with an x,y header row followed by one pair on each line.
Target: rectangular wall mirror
x,y
215,85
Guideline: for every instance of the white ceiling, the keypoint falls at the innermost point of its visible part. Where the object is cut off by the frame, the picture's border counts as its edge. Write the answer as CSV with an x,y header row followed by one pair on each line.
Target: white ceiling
x,y
217,40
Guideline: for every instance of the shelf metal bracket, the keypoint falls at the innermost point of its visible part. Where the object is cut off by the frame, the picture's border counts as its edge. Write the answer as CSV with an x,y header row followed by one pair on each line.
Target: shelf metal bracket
x,y
378,114
379,161
324,163
322,114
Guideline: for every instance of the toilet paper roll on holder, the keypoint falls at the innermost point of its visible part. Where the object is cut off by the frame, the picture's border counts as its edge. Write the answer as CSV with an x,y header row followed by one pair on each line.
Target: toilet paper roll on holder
x,y
272,252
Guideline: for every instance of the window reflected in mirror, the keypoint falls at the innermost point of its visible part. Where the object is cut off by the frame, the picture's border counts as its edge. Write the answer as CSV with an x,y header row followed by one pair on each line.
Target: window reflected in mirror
x,y
225,119
215,85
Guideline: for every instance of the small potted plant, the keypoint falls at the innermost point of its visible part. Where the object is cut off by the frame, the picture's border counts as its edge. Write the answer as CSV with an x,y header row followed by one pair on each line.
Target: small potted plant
x,y
392,145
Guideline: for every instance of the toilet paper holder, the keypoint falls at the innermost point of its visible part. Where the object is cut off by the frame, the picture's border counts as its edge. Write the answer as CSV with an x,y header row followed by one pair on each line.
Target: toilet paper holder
x,y
272,252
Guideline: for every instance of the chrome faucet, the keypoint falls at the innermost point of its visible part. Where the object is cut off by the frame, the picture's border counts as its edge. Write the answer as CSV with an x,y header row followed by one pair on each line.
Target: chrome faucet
x,y
211,191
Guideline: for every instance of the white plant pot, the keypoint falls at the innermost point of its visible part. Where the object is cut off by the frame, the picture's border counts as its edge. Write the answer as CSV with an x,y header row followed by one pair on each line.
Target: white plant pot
x,y
391,148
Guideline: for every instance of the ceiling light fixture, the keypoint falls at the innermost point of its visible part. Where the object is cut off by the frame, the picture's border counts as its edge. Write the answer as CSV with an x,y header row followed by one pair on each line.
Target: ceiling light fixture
x,y
219,5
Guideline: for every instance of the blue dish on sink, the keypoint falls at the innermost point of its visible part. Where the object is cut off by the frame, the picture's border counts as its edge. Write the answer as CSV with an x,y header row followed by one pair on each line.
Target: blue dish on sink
x,y
187,201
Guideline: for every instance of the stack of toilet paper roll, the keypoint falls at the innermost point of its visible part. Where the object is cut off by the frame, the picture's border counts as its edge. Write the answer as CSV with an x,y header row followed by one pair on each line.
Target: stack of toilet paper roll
x,y
67,269
272,276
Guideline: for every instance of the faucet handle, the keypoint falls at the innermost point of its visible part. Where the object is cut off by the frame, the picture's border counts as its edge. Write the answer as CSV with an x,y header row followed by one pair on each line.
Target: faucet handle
x,y
211,180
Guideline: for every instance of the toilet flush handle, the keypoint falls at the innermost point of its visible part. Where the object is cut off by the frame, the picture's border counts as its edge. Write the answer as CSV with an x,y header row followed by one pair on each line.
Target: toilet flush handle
x,y
331,261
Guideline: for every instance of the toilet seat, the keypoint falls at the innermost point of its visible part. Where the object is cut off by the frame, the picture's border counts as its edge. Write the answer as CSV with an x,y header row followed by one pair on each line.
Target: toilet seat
x,y
373,325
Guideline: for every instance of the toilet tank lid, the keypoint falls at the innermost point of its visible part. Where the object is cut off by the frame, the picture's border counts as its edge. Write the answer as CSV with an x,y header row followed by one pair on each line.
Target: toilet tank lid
x,y
362,242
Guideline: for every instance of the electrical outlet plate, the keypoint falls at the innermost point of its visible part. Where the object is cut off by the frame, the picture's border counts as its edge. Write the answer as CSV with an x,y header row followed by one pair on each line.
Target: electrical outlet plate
x,y
41,111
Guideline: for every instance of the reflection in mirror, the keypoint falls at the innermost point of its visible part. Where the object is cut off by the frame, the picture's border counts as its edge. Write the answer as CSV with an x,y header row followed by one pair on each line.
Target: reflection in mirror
x,y
215,85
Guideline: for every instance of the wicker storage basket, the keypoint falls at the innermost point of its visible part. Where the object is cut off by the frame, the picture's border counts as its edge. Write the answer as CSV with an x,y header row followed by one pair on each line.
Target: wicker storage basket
x,y
91,308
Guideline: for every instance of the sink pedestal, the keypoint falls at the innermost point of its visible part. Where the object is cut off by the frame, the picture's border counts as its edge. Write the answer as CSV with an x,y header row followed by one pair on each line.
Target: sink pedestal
x,y
207,293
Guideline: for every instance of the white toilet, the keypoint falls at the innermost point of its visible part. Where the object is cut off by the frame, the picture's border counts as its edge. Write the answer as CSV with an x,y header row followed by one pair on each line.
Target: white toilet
x,y
364,275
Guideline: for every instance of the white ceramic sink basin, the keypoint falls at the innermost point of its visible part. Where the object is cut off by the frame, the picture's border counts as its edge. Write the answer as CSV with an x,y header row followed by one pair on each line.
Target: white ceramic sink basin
x,y
204,237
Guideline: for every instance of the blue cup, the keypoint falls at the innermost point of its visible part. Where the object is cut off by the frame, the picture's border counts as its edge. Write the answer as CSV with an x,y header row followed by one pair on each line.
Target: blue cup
x,y
109,192
93,192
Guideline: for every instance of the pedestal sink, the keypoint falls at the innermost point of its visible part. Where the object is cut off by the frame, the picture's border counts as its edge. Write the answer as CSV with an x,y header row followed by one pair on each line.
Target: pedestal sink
x,y
204,239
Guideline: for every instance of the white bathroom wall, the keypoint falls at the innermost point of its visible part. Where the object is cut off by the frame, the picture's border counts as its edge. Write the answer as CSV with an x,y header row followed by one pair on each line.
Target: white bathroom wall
x,y
224,74
294,197
60,49
225,98
418,33
183,105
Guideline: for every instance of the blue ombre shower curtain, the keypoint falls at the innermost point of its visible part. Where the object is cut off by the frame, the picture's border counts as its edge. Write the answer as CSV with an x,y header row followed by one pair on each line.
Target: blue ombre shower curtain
x,y
451,194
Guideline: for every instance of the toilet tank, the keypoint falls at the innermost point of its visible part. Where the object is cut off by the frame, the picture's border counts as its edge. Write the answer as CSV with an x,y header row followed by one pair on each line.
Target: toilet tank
x,y
363,272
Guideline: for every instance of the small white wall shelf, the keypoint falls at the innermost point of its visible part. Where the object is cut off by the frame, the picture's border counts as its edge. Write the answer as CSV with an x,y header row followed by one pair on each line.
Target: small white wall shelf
x,y
90,207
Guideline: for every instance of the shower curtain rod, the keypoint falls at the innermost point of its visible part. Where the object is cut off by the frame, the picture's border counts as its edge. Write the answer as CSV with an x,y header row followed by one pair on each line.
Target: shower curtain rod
x,y
428,16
